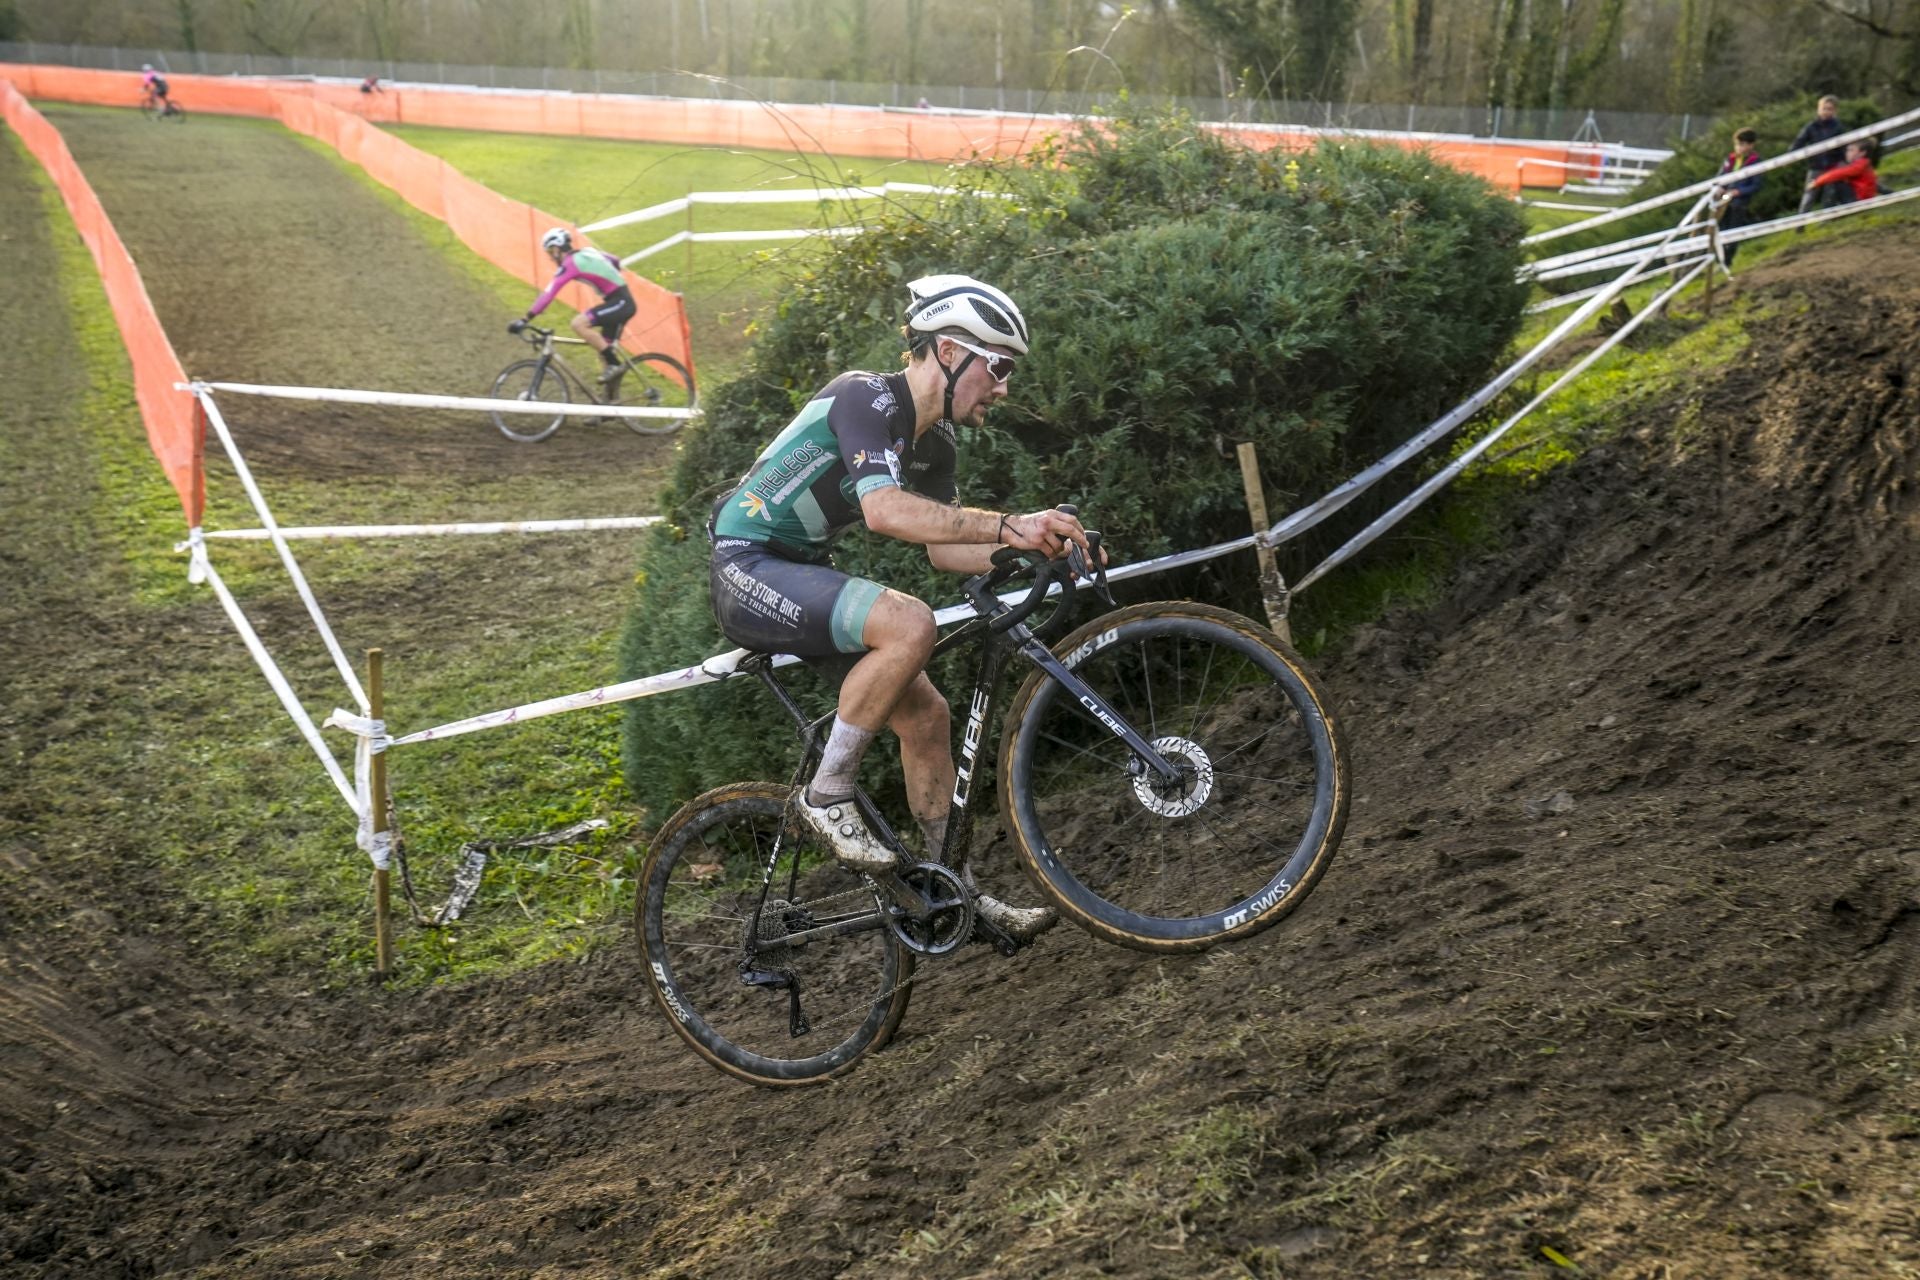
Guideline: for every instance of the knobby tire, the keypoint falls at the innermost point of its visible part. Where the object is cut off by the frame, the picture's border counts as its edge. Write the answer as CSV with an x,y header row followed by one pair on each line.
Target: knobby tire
x,y
515,383
701,892
1268,794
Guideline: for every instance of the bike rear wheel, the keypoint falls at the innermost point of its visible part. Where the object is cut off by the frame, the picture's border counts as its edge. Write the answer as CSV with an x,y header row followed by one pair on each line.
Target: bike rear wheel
x,y
1238,843
518,382
656,381
725,948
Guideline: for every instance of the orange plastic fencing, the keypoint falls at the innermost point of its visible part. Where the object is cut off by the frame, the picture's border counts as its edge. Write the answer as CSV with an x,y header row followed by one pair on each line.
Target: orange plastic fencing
x,y
841,130
174,429
504,231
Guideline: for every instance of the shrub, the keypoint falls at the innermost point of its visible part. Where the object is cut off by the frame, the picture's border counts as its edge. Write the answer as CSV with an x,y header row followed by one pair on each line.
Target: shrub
x,y
1184,294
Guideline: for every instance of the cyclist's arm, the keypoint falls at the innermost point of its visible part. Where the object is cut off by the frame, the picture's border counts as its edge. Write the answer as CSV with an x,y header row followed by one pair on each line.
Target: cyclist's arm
x,y
961,539
561,279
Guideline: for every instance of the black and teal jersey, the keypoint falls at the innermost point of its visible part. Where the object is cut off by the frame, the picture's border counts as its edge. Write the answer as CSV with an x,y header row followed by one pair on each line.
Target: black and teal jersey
x,y
852,438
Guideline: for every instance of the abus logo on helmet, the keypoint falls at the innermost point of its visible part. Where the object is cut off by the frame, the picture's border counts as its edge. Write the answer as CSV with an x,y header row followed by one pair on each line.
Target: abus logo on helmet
x,y
938,308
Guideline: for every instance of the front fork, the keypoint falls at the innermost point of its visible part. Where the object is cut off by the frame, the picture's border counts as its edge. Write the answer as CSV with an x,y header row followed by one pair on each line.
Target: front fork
x,y
1095,707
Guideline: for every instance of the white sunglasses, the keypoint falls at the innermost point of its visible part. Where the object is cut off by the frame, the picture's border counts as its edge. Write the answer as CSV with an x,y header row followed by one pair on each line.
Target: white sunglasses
x,y
999,367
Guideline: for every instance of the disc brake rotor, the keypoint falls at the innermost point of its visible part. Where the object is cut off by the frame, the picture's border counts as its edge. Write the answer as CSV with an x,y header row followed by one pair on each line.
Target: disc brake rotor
x,y
1190,793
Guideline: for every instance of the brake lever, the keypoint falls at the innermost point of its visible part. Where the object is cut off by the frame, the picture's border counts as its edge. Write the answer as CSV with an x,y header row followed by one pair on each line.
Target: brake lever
x,y
1099,574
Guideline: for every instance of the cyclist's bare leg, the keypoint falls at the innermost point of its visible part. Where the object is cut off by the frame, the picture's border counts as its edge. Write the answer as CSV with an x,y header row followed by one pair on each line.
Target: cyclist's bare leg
x,y
899,637
925,728
588,332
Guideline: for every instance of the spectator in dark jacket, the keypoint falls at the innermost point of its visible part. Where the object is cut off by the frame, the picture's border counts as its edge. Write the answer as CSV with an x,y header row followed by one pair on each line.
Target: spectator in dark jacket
x,y
1854,179
1734,198
1825,124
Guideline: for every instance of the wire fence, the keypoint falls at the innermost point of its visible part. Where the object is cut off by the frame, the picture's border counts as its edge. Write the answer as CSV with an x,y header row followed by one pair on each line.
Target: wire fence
x,y
1633,128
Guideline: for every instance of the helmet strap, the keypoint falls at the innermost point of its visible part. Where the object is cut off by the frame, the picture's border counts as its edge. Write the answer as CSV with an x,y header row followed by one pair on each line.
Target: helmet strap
x,y
953,376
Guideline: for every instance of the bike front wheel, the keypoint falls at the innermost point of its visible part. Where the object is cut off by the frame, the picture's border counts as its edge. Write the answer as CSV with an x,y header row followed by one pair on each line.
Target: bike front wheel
x,y
656,381
529,380
771,960
1231,848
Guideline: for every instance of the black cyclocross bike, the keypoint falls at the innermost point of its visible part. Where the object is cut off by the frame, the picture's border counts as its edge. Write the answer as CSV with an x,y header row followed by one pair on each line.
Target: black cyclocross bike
x,y
654,380
1169,777
155,107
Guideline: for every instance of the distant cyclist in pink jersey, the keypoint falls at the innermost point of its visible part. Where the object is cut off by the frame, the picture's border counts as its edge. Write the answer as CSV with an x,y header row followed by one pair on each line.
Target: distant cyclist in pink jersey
x,y
599,327
153,84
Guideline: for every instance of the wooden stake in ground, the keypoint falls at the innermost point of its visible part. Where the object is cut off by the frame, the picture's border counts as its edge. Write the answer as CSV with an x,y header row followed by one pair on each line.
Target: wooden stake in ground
x,y
382,876
1273,588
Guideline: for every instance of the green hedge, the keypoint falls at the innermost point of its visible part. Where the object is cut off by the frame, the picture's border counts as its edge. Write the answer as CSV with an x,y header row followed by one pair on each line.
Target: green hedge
x,y
1184,294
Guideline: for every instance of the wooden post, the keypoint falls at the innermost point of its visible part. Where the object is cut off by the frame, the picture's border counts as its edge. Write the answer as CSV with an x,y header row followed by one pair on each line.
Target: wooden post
x,y
382,876
1273,588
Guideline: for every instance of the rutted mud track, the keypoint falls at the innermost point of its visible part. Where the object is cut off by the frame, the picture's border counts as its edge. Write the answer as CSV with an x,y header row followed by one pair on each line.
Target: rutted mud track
x,y
1619,960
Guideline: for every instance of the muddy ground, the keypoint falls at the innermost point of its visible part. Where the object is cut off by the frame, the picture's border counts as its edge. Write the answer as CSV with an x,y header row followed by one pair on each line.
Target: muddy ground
x,y
1617,968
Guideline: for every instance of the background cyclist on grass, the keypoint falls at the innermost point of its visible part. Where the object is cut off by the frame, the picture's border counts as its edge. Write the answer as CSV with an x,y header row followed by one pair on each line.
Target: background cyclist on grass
x,y
153,86
599,327
879,449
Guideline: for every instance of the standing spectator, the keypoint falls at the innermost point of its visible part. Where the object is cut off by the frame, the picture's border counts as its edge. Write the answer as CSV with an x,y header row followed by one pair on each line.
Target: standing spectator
x,y
1734,199
1853,179
1825,124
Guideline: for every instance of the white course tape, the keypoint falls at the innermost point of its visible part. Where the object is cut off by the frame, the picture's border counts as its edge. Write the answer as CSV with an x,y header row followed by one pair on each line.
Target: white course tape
x,y
683,237
409,400
372,735
276,680
1308,516
1569,299
814,196
438,530
1434,483
1707,185
272,531
708,672
1738,235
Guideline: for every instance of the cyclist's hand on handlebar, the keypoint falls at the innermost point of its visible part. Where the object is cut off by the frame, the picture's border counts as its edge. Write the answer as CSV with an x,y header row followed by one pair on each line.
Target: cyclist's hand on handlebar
x,y
515,326
1048,532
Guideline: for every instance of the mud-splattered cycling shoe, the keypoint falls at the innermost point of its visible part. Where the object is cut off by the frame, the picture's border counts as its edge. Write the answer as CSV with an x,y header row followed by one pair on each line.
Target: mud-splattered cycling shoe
x,y
1022,923
846,833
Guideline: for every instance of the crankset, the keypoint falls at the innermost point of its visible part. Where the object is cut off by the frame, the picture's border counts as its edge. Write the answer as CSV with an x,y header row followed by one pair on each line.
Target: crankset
x,y
942,918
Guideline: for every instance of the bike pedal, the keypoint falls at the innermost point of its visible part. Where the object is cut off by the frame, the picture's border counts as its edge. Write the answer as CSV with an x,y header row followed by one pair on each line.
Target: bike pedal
x,y
1002,941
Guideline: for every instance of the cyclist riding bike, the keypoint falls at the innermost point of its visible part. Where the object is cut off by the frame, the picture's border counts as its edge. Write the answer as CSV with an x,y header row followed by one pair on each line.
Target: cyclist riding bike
x,y
153,85
599,327
879,449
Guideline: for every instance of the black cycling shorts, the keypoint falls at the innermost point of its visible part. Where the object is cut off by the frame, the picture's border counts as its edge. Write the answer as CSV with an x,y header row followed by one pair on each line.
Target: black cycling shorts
x,y
770,604
613,313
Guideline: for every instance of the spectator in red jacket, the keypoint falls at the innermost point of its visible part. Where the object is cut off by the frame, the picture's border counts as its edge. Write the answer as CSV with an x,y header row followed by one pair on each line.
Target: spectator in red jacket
x,y
1855,177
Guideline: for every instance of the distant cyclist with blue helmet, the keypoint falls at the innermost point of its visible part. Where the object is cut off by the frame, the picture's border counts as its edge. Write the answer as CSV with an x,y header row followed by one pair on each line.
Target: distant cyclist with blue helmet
x,y
879,449
599,327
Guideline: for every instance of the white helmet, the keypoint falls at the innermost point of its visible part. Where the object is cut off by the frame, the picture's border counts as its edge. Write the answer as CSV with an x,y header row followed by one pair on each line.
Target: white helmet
x,y
963,303
146,66
557,238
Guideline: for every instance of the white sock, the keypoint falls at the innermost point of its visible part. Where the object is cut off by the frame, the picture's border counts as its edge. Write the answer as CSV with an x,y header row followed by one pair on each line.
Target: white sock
x,y
935,830
834,780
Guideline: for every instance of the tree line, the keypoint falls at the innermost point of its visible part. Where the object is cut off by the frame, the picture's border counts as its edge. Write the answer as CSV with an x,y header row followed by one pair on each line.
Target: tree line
x,y
1655,55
